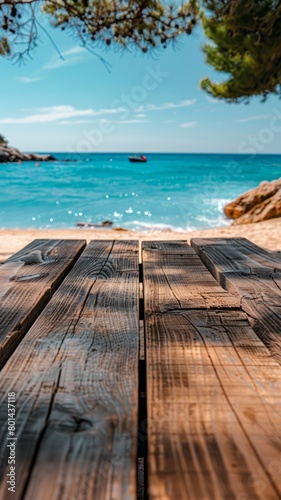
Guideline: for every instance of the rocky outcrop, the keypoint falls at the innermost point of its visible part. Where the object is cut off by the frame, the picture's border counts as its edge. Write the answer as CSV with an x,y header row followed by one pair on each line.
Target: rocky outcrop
x,y
258,204
105,223
9,154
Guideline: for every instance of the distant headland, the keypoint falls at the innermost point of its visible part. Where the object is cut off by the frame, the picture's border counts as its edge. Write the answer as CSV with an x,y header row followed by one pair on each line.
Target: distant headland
x,y
10,154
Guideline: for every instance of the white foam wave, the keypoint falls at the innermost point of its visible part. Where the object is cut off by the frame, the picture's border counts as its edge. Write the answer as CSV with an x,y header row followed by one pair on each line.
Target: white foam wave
x,y
148,227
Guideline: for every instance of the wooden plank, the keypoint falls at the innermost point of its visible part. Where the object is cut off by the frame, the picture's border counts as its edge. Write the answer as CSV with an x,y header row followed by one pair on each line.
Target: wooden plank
x,y
212,389
214,420
75,376
176,279
28,279
256,253
226,255
254,276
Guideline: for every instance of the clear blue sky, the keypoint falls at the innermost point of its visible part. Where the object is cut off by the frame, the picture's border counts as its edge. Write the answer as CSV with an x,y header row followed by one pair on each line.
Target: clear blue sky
x,y
144,104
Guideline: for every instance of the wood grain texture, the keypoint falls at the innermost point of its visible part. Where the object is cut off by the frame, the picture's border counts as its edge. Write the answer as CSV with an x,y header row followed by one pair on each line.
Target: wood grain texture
x,y
75,378
176,279
214,419
239,255
28,279
213,387
254,276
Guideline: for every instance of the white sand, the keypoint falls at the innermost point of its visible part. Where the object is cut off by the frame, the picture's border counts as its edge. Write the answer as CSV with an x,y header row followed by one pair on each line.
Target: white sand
x,y
265,234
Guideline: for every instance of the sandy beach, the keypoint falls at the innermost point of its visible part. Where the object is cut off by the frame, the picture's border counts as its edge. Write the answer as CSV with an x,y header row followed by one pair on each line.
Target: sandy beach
x,y
265,234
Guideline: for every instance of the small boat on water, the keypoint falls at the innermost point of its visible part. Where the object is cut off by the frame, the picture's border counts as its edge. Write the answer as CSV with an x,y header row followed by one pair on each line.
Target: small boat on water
x,y
138,159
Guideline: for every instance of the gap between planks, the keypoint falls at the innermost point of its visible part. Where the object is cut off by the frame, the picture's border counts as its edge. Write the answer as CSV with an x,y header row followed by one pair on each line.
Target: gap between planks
x,y
28,279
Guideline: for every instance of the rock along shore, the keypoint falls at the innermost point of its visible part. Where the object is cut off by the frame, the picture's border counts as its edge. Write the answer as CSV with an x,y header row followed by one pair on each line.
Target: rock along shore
x,y
10,154
257,205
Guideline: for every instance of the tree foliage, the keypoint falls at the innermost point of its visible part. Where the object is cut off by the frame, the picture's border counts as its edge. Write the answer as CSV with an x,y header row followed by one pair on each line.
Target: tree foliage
x,y
245,35
246,45
145,24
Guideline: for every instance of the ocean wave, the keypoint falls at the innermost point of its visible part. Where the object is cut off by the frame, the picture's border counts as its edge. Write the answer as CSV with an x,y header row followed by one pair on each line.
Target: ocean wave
x,y
148,227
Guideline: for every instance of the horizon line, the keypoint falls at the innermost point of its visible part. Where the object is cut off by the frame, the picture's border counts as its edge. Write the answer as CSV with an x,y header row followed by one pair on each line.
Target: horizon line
x,y
153,152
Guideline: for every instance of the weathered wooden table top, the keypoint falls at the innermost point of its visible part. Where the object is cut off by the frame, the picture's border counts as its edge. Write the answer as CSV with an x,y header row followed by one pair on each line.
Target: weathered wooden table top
x,y
132,373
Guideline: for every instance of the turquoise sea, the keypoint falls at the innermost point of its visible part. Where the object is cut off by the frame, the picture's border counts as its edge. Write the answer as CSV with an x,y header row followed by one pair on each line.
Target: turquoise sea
x,y
180,191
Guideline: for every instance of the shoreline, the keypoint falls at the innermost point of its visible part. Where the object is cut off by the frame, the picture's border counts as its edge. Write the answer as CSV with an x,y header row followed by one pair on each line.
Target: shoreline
x,y
266,234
